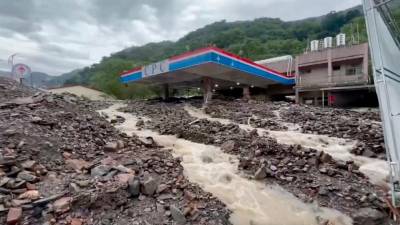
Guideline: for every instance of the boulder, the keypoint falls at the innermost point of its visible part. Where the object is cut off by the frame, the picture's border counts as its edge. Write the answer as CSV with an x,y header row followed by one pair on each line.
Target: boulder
x,y
140,123
228,146
62,205
177,215
76,164
100,170
123,178
325,157
369,153
133,187
14,216
149,186
123,169
27,176
29,164
111,146
76,221
32,195
260,173
369,216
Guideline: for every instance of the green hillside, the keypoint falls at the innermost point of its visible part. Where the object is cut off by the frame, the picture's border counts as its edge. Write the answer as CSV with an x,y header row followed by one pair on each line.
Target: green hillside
x,y
257,39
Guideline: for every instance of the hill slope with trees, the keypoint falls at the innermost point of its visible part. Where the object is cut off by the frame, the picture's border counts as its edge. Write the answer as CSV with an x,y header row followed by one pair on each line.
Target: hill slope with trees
x,y
257,39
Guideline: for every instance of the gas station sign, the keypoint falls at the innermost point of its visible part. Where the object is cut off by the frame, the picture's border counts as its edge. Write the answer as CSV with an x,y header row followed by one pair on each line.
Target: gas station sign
x,y
155,68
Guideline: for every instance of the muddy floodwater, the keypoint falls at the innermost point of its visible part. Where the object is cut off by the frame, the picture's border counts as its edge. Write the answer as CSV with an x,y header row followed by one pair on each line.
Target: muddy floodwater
x,y
251,202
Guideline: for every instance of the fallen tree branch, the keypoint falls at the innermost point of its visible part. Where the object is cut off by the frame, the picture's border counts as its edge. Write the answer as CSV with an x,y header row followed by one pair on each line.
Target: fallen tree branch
x,y
195,121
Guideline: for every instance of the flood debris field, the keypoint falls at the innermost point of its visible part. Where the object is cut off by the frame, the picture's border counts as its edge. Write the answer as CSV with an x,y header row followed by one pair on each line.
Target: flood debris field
x,y
364,127
61,162
67,160
310,174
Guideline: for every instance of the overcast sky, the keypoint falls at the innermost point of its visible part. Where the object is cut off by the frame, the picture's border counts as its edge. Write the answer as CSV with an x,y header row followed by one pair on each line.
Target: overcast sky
x,y
57,36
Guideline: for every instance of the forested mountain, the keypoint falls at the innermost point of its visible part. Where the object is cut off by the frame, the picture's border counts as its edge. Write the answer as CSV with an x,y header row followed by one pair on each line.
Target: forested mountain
x,y
37,79
257,39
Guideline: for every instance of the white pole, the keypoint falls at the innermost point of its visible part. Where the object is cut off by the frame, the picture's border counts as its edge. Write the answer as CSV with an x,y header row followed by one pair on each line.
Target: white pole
x,y
11,62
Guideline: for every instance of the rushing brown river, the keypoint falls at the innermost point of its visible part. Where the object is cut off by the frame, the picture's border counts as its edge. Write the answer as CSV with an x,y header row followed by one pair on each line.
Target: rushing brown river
x,y
251,202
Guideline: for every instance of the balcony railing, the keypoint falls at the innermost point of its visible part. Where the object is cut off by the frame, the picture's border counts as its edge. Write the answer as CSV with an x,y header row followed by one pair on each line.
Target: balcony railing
x,y
323,80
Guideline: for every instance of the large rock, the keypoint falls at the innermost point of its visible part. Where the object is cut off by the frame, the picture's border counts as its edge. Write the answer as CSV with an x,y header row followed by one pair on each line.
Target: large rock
x,y
111,146
369,153
369,216
149,186
177,215
76,221
62,205
14,216
27,176
134,187
228,146
325,157
123,169
123,178
29,164
100,170
31,194
140,123
76,164
260,173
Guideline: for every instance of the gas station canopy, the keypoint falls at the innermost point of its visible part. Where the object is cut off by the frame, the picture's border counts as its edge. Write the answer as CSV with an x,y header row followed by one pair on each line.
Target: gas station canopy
x,y
189,69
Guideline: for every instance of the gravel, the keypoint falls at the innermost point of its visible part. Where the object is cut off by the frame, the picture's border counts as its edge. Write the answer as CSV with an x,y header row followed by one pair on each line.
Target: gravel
x,y
55,143
310,175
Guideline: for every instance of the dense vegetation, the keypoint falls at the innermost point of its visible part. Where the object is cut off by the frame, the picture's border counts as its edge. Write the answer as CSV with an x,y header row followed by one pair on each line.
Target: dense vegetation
x,y
258,39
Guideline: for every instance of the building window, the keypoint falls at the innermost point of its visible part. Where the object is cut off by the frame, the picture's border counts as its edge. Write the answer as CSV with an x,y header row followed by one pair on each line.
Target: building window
x,y
305,71
336,70
353,70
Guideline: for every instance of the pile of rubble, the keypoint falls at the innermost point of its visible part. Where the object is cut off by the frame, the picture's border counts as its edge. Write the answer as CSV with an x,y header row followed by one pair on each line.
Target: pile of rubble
x,y
362,126
310,175
257,114
10,89
63,163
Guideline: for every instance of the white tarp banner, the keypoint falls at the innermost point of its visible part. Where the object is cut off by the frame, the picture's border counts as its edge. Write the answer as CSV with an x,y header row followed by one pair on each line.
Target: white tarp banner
x,y
386,68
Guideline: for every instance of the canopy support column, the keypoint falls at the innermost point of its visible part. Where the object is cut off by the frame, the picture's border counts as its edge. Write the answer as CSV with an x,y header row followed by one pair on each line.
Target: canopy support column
x,y
207,90
246,93
165,90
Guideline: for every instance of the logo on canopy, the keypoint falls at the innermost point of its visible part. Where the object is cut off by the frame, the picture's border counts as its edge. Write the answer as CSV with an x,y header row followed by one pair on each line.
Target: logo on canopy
x,y
155,68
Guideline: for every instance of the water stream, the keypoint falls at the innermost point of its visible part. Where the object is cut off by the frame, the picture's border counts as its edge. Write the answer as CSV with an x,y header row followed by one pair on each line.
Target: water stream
x,y
377,170
251,202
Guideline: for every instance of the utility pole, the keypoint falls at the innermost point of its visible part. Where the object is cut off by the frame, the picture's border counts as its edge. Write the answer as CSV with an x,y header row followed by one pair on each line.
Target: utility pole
x,y
11,62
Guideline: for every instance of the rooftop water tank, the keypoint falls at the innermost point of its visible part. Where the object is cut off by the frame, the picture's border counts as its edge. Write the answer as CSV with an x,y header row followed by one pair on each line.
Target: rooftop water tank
x,y
341,39
328,42
314,45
